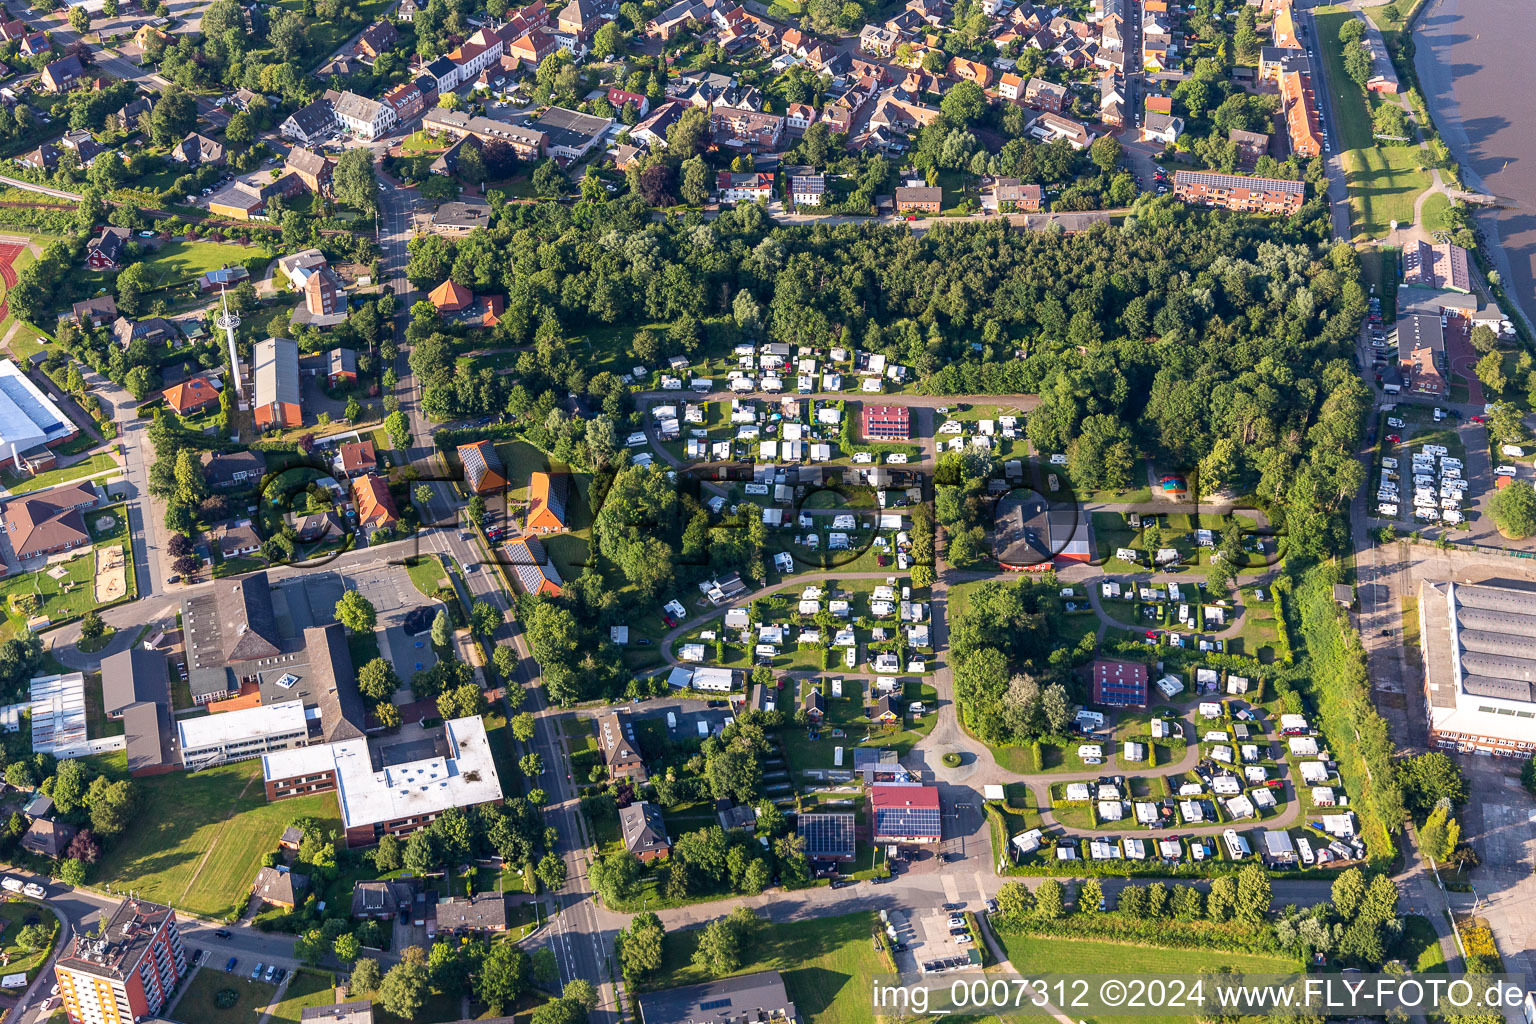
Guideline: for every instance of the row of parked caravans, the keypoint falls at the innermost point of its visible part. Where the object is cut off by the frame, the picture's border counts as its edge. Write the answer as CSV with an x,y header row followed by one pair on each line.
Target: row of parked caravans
x,y
1433,500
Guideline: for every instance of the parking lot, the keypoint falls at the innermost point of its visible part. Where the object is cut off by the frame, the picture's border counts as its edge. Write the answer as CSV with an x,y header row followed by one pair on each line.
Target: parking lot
x,y
393,596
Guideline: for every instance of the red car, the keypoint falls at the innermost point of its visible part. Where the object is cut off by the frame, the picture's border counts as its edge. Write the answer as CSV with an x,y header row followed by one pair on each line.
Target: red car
x,y
1393,438
1479,419
1151,634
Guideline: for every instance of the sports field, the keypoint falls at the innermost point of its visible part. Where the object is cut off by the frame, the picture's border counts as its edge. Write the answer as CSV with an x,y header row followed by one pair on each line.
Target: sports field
x,y
200,837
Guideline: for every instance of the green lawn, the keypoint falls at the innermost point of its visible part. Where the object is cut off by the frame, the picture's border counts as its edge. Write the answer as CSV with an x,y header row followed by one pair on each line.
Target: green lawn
x,y
827,963
38,481
305,989
1436,213
200,837
178,262
426,573
1033,956
199,1004
1383,181
1419,946
16,914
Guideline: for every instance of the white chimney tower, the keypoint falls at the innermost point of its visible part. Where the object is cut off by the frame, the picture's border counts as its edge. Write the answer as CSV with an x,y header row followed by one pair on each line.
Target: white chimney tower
x,y
229,320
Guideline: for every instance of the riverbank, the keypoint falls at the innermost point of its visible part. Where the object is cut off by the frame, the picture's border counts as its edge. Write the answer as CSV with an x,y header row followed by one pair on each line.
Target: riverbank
x,y
1471,57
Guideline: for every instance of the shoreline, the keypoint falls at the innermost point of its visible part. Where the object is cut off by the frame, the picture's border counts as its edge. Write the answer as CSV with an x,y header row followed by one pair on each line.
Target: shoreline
x,y
1436,73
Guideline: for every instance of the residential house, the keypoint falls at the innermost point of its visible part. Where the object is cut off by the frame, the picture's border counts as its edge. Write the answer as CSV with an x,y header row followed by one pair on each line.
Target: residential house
x,y
107,250
807,189
1010,86
1043,95
532,47
1050,127
750,186
192,396
620,753
63,74
485,914
547,493
1250,145
363,117
619,97
1012,197
375,505
971,71
196,150
580,18
747,129
483,471
341,366
800,115
536,574
313,169
1164,128
154,331
644,831
309,124
406,100
356,458
376,40
280,887
96,312
48,838
1239,192
919,198
1299,106
228,471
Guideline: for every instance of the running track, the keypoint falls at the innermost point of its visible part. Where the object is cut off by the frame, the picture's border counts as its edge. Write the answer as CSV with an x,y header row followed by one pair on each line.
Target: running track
x,y
8,253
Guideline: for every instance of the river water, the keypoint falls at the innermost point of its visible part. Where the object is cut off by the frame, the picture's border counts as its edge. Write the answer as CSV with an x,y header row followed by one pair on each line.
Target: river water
x,y
1473,59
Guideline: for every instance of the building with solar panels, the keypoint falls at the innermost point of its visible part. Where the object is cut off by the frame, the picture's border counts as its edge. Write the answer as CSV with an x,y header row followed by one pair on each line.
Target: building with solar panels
x,y
905,813
746,999
1479,645
827,836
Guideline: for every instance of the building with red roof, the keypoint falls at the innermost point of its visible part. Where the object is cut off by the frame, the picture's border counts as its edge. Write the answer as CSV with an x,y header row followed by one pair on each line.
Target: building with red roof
x,y
885,422
905,812
1120,684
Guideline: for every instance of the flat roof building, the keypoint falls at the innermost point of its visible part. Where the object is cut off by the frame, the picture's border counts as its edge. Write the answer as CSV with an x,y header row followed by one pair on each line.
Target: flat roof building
x,y
1479,666
397,787
127,970
29,419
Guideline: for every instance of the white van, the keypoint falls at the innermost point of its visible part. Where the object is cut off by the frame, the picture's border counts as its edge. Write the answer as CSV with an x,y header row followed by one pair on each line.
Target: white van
x,y
1505,471
1389,463
1435,449
1450,516
1387,509
1394,422
1514,451
11,884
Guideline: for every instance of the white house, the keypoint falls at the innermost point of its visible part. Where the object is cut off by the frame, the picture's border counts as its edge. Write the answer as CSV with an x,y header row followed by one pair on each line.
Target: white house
x,y
365,118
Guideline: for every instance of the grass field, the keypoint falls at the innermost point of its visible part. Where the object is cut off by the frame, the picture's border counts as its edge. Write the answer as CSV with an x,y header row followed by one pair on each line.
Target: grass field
x,y
305,989
426,574
38,481
827,964
1383,181
201,836
199,1003
1032,956
178,262
1436,213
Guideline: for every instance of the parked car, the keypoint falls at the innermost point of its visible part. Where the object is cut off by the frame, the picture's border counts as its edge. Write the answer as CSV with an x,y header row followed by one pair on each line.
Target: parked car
x,y
229,966
256,971
222,933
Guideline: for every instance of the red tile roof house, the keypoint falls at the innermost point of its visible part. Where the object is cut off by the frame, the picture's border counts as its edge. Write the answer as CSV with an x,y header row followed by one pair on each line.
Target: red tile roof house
x,y
618,97
885,422
192,396
356,458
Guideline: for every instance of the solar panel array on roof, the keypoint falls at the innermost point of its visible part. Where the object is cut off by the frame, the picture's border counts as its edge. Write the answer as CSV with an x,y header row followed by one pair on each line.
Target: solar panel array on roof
x,y
827,835
898,822
1242,181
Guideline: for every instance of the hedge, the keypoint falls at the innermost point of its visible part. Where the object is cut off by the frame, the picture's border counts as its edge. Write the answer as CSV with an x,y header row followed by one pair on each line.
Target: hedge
x,y
1168,932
